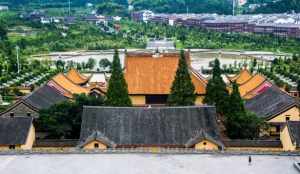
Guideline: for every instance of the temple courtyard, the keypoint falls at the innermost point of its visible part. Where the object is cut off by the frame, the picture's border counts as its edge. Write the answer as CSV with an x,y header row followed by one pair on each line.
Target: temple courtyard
x,y
146,164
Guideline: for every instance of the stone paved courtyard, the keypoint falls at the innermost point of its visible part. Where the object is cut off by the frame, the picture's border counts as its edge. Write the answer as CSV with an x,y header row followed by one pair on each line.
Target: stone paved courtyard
x,y
145,164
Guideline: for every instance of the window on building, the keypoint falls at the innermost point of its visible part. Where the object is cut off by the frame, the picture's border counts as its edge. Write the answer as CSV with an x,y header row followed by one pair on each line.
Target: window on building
x,y
96,145
28,114
287,118
204,143
156,99
12,114
12,146
277,128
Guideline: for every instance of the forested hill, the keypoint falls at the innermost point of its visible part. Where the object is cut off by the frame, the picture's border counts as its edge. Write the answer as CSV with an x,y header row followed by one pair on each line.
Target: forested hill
x,y
182,6
279,6
166,6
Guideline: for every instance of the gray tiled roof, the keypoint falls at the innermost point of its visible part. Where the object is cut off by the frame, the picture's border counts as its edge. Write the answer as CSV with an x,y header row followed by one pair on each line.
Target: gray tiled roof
x,y
14,131
253,143
164,126
270,103
44,97
294,130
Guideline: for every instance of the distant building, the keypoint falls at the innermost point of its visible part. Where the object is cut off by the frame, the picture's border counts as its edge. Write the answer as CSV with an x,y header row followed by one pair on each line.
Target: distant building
x,y
278,25
16,133
160,127
34,16
70,20
143,15
161,45
46,20
242,2
3,8
94,19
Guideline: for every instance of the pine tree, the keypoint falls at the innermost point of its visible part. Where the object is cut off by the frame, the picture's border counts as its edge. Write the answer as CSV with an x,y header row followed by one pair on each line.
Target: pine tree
x,y
183,89
216,90
117,93
235,100
240,124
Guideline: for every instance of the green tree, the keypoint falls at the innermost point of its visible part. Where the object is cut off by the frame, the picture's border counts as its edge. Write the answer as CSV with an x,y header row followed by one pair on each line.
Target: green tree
x,y
235,100
117,93
91,63
240,124
105,63
183,89
216,90
63,120
3,32
60,65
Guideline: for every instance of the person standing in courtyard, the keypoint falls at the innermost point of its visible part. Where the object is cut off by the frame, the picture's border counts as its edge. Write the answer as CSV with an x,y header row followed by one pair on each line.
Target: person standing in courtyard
x,y
249,160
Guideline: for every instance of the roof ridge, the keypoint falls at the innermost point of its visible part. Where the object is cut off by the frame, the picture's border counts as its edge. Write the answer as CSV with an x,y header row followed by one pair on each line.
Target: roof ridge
x,y
198,75
69,81
61,88
81,76
253,76
161,107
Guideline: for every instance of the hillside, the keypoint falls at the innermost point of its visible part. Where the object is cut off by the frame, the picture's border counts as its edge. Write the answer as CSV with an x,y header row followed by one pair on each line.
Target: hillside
x,y
167,6
280,6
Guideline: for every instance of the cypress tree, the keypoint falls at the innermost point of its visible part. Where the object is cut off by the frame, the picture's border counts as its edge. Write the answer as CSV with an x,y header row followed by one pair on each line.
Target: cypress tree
x,y
235,100
117,93
240,124
183,89
216,90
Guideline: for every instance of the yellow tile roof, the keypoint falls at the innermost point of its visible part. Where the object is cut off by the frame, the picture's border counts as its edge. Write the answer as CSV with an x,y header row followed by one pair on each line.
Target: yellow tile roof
x,y
242,77
146,74
251,84
61,80
76,77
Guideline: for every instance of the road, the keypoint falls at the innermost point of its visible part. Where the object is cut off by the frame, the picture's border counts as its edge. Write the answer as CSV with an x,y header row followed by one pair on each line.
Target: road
x,y
145,164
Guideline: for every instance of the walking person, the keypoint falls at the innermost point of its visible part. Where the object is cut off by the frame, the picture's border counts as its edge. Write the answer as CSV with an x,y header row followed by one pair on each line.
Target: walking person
x,y
249,160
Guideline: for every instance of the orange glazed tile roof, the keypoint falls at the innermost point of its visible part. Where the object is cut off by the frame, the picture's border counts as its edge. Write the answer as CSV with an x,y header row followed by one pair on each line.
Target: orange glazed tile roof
x,y
61,80
251,84
242,77
148,74
76,77
97,87
259,90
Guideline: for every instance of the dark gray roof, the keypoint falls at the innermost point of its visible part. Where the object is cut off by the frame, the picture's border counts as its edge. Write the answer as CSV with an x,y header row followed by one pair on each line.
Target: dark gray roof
x,y
270,103
55,143
253,143
14,131
164,126
294,130
44,97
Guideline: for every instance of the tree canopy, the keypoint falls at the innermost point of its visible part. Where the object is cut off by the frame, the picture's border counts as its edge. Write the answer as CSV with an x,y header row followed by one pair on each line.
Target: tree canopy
x,y
216,90
117,93
63,120
183,89
240,124
279,6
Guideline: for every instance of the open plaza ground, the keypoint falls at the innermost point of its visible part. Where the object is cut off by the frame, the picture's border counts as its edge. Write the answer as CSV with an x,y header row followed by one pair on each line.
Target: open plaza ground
x,y
146,164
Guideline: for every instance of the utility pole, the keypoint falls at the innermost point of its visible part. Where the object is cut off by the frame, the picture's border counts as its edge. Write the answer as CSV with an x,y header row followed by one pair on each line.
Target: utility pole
x,y
187,10
233,7
69,7
18,60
